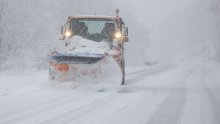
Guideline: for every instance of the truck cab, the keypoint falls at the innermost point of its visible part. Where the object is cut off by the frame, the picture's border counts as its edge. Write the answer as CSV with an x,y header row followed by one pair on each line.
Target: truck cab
x,y
95,28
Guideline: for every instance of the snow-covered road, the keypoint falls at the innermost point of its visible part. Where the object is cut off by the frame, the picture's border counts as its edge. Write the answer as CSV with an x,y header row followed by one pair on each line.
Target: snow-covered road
x,y
165,94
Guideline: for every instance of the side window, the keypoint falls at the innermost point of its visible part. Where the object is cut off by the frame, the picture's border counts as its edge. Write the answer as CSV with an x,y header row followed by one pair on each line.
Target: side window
x,y
67,26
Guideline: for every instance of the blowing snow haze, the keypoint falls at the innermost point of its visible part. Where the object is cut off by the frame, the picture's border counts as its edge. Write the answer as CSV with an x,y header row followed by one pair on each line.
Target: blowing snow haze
x,y
178,27
170,75
170,30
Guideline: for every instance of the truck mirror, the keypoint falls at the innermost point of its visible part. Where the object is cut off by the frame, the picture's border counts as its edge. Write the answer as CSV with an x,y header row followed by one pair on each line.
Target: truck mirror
x,y
62,37
125,32
61,30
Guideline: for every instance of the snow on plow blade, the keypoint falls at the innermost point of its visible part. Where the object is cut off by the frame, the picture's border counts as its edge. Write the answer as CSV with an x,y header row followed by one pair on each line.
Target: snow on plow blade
x,y
84,68
63,58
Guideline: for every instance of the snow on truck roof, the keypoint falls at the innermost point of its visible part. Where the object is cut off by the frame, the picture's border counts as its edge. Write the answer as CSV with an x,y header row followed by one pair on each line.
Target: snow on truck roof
x,y
94,16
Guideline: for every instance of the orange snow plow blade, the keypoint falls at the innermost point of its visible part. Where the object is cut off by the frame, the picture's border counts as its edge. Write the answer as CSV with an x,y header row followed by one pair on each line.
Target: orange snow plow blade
x,y
60,67
75,68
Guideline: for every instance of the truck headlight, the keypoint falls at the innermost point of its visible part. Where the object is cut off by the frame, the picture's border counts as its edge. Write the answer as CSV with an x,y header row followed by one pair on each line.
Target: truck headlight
x,y
67,34
118,35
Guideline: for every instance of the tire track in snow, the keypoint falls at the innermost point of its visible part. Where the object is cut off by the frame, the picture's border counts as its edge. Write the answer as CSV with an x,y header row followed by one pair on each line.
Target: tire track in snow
x,y
72,115
197,108
211,87
98,109
127,107
214,102
140,75
11,93
156,107
140,110
26,112
170,112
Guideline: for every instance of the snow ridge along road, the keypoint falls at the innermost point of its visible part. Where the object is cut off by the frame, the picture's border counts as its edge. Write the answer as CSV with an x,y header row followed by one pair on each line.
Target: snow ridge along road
x,y
163,94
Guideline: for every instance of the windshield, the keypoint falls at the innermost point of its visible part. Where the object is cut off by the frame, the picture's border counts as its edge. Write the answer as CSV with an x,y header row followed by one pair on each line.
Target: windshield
x,y
95,29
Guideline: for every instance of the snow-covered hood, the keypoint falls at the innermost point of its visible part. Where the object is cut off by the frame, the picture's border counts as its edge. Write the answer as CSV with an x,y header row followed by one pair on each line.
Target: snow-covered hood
x,y
80,45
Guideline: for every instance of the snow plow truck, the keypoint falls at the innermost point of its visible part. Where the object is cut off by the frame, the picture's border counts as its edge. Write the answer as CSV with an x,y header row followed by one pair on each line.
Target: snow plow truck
x,y
91,43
